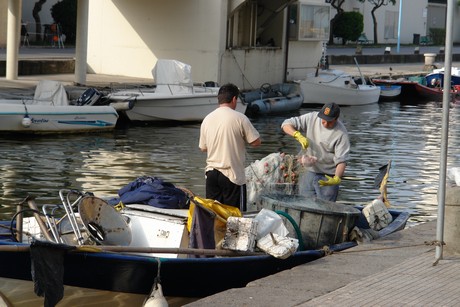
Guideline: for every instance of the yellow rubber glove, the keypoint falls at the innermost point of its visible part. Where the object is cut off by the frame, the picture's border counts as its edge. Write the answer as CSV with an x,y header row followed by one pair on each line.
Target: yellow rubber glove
x,y
330,181
301,139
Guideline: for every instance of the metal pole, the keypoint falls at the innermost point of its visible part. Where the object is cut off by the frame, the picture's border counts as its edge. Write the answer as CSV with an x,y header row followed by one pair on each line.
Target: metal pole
x,y
399,25
446,98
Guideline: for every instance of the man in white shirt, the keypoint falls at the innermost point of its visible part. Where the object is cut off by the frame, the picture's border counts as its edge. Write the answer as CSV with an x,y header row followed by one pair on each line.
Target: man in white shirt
x,y
224,134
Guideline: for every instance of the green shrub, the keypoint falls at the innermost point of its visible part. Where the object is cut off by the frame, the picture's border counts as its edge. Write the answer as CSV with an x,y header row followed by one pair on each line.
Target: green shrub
x,y
438,36
349,26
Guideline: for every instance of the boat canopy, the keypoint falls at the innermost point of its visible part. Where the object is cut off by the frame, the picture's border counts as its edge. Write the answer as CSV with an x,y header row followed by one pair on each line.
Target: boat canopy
x,y
50,92
173,77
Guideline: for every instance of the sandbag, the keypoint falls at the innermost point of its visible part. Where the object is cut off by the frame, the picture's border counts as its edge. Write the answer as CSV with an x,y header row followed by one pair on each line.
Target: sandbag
x,y
278,246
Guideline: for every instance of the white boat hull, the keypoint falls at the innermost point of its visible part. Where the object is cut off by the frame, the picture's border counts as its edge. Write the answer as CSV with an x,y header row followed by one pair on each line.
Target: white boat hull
x,y
336,86
55,119
175,97
159,107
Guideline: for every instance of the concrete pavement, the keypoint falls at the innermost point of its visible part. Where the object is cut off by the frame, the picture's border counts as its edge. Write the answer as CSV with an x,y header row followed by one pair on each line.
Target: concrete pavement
x,y
397,270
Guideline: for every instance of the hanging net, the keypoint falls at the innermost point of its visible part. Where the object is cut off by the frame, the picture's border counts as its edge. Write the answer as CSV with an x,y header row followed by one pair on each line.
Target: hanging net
x,y
276,173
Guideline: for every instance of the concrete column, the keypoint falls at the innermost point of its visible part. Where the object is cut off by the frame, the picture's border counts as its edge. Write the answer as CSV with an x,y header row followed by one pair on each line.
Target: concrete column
x,y
452,221
13,38
81,48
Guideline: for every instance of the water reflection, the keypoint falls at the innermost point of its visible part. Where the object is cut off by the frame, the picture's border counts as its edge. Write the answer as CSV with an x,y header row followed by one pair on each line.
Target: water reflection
x,y
407,134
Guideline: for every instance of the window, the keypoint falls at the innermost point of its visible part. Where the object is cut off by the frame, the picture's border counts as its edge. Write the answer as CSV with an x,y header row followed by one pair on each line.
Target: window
x,y
309,22
391,25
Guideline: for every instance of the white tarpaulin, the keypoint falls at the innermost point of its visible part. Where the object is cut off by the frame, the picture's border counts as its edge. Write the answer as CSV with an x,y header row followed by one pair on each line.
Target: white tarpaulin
x,y
51,93
172,77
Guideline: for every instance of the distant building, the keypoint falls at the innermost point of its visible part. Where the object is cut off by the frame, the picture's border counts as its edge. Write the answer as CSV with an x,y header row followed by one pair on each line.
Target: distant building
x,y
240,41
418,20
43,11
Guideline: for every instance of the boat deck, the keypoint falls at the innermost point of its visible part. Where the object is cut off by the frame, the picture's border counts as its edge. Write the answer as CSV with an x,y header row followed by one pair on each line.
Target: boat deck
x,y
393,271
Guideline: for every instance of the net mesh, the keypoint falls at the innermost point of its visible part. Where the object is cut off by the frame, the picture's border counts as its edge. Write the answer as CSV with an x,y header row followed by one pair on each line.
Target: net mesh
x,y
275,173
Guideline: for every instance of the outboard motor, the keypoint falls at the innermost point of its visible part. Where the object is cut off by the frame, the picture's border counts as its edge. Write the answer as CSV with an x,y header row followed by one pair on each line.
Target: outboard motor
x,y
211,84
89,97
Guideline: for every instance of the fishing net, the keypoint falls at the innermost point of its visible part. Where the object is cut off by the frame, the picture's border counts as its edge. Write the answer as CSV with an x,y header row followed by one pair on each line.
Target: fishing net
x,y
276,173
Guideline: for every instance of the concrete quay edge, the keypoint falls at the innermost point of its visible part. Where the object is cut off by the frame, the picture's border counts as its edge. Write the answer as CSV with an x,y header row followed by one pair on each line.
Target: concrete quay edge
x,y
322,282
25,84
59,64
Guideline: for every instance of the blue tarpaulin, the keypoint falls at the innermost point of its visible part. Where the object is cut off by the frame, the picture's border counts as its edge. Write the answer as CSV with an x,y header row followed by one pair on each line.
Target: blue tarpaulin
x,y
152,191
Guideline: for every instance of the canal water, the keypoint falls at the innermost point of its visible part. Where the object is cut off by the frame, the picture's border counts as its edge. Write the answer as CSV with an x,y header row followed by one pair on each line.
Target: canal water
x,y
407,134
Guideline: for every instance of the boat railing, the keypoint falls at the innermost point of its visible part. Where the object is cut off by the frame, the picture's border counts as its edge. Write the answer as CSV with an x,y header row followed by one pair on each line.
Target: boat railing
x,y
336,77
68,205
134,90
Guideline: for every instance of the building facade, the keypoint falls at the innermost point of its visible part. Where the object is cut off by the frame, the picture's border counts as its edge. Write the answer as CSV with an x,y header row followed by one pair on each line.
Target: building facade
x,y
244,42
240,41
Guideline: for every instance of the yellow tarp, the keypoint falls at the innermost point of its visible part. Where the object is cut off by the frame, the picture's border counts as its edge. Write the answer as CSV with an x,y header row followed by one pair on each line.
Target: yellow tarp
x,y
222,211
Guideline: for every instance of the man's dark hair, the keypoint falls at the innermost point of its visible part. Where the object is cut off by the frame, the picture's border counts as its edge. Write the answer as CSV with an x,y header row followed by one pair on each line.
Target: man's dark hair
x,y
227,92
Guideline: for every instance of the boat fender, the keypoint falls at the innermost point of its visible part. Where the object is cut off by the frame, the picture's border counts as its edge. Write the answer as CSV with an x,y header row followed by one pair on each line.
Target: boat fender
x,y
156,298
122,105
26,121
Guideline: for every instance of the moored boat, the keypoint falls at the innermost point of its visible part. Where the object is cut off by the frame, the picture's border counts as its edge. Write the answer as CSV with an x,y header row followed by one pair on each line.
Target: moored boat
x,y
436,77
388,92
130,249
407,85
50,111
337,86
273,99
127,251
434,93
174,98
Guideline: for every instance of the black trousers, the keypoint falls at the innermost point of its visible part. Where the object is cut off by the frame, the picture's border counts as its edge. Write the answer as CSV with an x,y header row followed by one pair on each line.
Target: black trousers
x,y
220,188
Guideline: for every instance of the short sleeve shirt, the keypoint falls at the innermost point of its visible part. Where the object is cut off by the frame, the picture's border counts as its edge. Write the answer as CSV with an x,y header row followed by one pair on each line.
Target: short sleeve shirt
x,y
224,134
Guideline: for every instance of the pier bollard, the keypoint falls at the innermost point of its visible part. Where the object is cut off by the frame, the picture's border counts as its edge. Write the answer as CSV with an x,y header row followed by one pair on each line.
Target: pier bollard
x,y
429,61
452,221
429,58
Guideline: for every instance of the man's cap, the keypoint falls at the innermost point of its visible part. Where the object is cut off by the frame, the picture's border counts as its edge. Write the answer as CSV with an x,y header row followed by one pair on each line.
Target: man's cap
x,y
329,111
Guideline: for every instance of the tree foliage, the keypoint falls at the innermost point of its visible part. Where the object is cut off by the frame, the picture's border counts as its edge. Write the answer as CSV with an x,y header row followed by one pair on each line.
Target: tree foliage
x,y
36,14
349,26
64,13
376,5
337,4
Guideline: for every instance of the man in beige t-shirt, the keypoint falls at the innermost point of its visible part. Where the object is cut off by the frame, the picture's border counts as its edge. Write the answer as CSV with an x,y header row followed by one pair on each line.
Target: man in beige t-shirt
x,y
224,134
